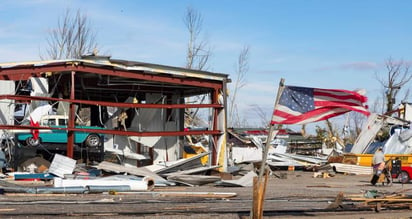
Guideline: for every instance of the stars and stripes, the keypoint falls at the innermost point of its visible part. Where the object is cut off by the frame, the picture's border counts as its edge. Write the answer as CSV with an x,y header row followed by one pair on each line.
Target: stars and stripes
x,y
301,105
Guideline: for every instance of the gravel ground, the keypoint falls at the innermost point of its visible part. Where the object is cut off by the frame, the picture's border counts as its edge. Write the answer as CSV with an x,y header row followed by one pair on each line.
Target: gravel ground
x,y
297,194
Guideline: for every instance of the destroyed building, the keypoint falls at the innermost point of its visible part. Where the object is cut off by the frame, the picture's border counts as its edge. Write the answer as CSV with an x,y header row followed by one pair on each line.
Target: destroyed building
x,y
134,110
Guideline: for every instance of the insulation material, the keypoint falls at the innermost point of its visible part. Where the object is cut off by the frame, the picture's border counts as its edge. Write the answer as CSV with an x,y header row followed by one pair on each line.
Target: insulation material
x,y
6,106
150,119
123,145
135,183
148,141
246,154
39,88
166,147
408,112
40,111
62,165
399,143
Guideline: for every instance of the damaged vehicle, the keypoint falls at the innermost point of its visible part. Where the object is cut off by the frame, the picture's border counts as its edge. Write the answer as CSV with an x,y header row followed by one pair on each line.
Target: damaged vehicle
x,y
58,135
88,146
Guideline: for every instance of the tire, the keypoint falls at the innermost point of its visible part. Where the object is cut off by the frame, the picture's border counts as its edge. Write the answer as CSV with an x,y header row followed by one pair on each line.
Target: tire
x,y
93,140
403,177
30,141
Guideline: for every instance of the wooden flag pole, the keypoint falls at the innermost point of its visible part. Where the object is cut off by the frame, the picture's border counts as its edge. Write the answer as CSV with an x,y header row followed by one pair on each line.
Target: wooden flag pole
x,y
259,186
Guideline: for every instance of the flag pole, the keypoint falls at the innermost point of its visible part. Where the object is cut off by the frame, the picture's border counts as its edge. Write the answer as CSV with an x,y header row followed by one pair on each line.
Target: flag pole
x,y
259,187
271,129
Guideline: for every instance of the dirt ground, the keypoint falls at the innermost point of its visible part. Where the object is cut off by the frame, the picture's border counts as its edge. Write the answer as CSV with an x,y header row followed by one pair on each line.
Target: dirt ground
x,y
293,194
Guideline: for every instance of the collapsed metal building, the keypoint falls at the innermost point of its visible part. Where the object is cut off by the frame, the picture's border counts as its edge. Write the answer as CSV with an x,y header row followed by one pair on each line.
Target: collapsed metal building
x,y
142,108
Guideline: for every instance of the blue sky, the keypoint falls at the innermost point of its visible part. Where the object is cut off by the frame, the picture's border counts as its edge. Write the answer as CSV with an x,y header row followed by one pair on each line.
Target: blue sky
x,y
312,43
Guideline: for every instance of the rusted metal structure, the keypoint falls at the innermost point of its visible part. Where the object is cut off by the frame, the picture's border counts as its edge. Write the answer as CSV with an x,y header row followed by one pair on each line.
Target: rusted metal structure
x,y
97,83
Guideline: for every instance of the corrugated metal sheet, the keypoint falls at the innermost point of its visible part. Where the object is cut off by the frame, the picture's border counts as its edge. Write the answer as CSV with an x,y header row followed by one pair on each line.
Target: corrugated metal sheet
x,y
124,65
352,169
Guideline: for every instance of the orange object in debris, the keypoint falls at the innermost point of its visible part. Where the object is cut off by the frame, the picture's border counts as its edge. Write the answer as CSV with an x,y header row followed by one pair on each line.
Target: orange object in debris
x,y
193,150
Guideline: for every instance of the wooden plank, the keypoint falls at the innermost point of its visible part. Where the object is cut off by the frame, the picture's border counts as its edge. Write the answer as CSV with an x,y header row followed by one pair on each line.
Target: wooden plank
x,y
218,195
255,212
36,195
7,209
382,199
199,194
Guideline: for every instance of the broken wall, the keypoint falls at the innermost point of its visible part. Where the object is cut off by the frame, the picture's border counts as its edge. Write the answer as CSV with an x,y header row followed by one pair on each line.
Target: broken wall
x,y
40,88
6,106
408,112
166,148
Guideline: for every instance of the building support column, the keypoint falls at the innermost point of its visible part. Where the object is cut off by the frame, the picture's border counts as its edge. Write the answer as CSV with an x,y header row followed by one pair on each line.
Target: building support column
x,y
72,117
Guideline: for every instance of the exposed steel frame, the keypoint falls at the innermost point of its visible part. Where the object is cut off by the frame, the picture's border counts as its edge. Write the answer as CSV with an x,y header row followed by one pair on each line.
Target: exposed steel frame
x,y
24,72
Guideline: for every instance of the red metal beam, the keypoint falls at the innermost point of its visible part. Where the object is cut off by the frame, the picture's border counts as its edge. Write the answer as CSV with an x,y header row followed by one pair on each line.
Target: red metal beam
x,y
23,73
215,97
150,76
116,132
72,116
114,104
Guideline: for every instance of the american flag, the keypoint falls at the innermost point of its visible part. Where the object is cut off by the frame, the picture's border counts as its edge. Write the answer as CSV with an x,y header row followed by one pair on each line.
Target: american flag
x,y
301,105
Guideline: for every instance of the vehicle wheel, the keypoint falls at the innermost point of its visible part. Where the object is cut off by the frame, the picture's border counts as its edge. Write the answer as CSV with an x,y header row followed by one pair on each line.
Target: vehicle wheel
x,y
93,140
30,141
403,177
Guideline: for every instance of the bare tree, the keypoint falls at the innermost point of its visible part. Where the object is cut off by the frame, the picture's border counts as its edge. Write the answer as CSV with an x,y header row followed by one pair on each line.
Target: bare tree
x,y
398,75
356,122
261,115
242,67
198,51
72,38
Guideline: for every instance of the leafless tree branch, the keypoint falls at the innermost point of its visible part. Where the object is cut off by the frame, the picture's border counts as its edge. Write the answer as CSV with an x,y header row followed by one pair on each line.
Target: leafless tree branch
x,y
242,67
198,52
397,75
72,38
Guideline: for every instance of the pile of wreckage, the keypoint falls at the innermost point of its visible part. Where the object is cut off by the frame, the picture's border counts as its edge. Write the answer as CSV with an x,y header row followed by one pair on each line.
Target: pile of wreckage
x,y
64,175
247,147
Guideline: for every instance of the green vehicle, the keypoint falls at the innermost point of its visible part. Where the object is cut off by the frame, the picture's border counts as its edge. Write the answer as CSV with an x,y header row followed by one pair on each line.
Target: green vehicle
x,y
54,136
